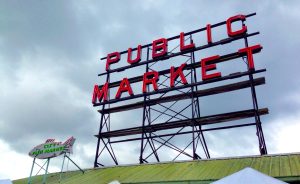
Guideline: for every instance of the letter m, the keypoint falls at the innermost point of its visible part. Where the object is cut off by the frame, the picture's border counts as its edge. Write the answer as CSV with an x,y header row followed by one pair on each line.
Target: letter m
x,y
100,94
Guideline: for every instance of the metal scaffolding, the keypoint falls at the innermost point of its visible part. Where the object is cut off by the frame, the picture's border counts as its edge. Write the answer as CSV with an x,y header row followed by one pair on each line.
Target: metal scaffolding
x,y
153,135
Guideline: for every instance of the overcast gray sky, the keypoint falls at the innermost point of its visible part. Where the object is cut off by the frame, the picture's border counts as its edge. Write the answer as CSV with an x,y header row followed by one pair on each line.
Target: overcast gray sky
x,y
49,61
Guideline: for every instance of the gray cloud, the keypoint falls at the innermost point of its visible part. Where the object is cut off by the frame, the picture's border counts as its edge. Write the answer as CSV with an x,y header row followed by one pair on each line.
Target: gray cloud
x,y
49,60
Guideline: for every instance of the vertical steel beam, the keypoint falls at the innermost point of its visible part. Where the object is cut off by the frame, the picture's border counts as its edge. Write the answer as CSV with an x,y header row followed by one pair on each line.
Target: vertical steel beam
x,y
259,131
145,111
196,112
104,123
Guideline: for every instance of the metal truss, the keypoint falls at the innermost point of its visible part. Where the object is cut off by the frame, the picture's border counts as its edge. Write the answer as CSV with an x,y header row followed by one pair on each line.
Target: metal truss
x,y
156,132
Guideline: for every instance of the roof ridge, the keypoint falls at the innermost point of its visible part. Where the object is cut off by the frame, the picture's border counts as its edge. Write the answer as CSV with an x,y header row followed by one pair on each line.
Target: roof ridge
x,y
200,160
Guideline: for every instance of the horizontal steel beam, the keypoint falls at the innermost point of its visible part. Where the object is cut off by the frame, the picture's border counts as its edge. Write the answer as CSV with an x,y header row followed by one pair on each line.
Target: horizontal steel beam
x,y
186,132
199,93
212,119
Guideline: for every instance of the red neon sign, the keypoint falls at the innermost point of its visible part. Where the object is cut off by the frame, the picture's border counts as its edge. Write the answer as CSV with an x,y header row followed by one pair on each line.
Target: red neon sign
x,y
160,50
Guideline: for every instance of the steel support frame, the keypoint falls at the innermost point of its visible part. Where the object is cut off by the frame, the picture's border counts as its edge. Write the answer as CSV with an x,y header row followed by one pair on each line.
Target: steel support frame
x,y
41,168
106,143
197,134
151,143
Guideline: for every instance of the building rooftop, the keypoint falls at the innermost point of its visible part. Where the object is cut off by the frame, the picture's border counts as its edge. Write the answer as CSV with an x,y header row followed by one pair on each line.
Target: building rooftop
x,y
285,167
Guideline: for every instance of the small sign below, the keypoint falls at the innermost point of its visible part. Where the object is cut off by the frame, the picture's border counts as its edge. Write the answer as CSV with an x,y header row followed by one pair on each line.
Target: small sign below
x,y
51,149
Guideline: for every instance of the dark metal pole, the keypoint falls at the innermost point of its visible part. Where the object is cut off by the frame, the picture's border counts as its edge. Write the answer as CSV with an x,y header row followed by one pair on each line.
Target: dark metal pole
x,y
96,164
197,105
144,116
260,135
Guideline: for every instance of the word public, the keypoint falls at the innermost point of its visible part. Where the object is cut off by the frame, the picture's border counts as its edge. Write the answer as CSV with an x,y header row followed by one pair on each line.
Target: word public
x,y
160,50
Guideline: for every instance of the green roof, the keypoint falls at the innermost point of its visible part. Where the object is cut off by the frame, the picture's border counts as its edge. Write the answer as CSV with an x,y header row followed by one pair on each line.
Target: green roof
x,y
285,167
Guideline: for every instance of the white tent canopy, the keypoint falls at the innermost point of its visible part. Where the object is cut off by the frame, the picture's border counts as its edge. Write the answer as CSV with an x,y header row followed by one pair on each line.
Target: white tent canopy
x,y
114,182
248,176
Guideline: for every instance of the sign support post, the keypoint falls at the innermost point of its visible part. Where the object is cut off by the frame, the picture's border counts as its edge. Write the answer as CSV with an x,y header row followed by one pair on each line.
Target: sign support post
x,y
74,163
62,167
46,172
29,179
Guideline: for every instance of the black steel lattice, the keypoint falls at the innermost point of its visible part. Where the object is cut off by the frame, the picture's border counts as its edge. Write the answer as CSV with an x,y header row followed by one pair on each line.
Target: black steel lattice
x,y
153,136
